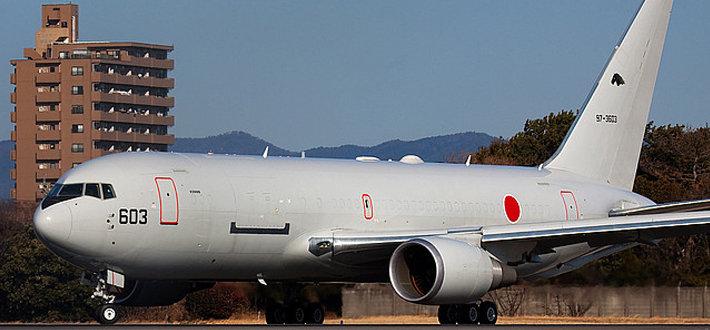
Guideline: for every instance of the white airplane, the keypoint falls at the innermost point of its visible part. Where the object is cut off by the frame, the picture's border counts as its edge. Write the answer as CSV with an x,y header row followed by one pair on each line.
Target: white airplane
x,y
149,228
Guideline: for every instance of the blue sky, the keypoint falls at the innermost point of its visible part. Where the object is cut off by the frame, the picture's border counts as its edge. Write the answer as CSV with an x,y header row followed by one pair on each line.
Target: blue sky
x,y
309,73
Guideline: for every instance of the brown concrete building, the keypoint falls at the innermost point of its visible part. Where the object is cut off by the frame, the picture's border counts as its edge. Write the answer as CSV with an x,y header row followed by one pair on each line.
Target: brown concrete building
x,y
78,100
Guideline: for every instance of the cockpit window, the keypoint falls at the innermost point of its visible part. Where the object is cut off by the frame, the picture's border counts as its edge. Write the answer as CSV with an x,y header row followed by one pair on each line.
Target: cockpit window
x,y
64,192
92,189
107,190
71,190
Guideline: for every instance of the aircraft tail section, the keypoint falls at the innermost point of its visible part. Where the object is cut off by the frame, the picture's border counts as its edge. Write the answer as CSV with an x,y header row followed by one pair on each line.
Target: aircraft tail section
x,y
604,142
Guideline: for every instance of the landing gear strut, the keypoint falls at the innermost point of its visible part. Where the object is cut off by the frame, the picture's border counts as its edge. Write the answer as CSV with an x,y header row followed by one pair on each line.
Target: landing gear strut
x,y
485,312
107,312
294,309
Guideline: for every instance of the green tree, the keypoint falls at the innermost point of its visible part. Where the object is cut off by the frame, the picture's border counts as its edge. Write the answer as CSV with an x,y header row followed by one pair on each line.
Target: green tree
x,y
36,285
539,139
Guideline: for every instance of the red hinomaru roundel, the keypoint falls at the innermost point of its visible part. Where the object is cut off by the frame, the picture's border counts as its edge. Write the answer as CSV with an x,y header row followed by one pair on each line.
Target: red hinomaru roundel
x,y
512,208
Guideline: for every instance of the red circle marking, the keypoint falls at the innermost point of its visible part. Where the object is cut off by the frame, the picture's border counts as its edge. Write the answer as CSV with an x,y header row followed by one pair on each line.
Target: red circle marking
x,y
512,208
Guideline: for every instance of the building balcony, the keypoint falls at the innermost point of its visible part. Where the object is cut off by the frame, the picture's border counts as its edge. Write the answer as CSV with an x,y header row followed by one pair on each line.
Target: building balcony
x,y
48,78
134,99
45,97
149,62
120,117
132,80
13,174
13,154
49,154
48,173
13,135
13,98
13,117
13,79
48,116
51,135
134,137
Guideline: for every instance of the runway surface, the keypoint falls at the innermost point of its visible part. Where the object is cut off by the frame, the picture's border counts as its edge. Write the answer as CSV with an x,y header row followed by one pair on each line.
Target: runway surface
x,y
358,327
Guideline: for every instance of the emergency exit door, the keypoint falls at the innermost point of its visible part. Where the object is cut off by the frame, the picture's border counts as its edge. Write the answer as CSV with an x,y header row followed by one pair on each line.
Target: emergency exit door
x,y
168,201
570,203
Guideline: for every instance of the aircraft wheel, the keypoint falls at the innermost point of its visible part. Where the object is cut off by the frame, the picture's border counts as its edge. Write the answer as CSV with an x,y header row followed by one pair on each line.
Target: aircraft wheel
x,y
107,314
448,314
315,314
469,314
296,314
275,315
489,312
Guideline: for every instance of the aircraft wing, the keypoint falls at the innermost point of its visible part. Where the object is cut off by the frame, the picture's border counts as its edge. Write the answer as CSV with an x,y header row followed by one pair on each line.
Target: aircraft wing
x,y
513,243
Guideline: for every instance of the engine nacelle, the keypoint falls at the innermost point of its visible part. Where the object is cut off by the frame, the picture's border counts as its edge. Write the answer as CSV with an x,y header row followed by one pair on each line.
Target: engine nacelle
x,y
437,271
157,293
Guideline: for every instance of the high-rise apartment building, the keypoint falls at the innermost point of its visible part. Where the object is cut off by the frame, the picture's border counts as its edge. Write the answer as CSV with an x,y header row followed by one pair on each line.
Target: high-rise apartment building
x,y
76,100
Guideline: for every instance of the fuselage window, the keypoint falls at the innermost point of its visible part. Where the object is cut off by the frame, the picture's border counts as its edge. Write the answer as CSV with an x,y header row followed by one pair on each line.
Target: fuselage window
x,y
107,189
92,189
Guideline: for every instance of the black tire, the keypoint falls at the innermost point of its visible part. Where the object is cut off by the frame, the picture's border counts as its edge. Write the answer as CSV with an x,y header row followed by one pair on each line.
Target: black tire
x,y
448,314
315,314
296,315
489,312
107,314
275,315
469,314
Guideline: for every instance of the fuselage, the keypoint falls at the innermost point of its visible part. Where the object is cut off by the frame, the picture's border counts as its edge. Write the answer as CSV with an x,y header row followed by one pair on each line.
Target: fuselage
x,y
233,218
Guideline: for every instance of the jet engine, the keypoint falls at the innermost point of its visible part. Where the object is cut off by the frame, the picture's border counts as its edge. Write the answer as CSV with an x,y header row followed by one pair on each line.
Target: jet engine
x,y
438,271
157,293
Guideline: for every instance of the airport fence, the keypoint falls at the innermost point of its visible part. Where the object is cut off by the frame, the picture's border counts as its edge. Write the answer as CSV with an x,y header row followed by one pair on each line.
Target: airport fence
x,y
379,299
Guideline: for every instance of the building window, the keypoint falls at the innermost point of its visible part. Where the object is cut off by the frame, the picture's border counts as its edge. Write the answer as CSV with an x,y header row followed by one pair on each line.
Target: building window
x,y
77,128
77,147
77,90
64,24
63,54
77,71
77,109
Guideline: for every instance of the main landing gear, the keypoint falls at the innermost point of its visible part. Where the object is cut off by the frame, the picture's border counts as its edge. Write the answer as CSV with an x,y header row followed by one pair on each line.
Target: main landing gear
x,y
295,313
294,309
485,312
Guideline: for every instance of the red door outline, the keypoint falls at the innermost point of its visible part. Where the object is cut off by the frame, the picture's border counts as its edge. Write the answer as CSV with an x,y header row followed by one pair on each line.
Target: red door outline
x,y
564,201
367,207
160,200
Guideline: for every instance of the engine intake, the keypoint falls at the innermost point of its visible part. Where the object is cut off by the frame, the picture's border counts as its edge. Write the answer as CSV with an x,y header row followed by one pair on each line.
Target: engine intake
x,y
437,270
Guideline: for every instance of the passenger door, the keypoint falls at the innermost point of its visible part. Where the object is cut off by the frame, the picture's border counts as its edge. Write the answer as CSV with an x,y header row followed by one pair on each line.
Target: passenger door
x,y
168,208
570,204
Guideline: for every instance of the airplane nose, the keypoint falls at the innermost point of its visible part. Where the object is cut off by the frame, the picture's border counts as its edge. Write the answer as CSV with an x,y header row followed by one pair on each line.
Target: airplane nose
x,y
53,224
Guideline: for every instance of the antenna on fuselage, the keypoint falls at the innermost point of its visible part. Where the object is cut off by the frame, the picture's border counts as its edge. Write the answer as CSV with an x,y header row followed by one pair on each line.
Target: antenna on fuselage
x,y
266,152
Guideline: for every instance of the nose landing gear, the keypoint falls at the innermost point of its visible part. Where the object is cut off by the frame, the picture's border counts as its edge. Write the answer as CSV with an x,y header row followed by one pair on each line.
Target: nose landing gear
x,y
107,312
484,312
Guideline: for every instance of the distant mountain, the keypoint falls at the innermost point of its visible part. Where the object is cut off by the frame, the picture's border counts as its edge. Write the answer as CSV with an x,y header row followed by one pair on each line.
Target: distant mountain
x,y
430,149
235,142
